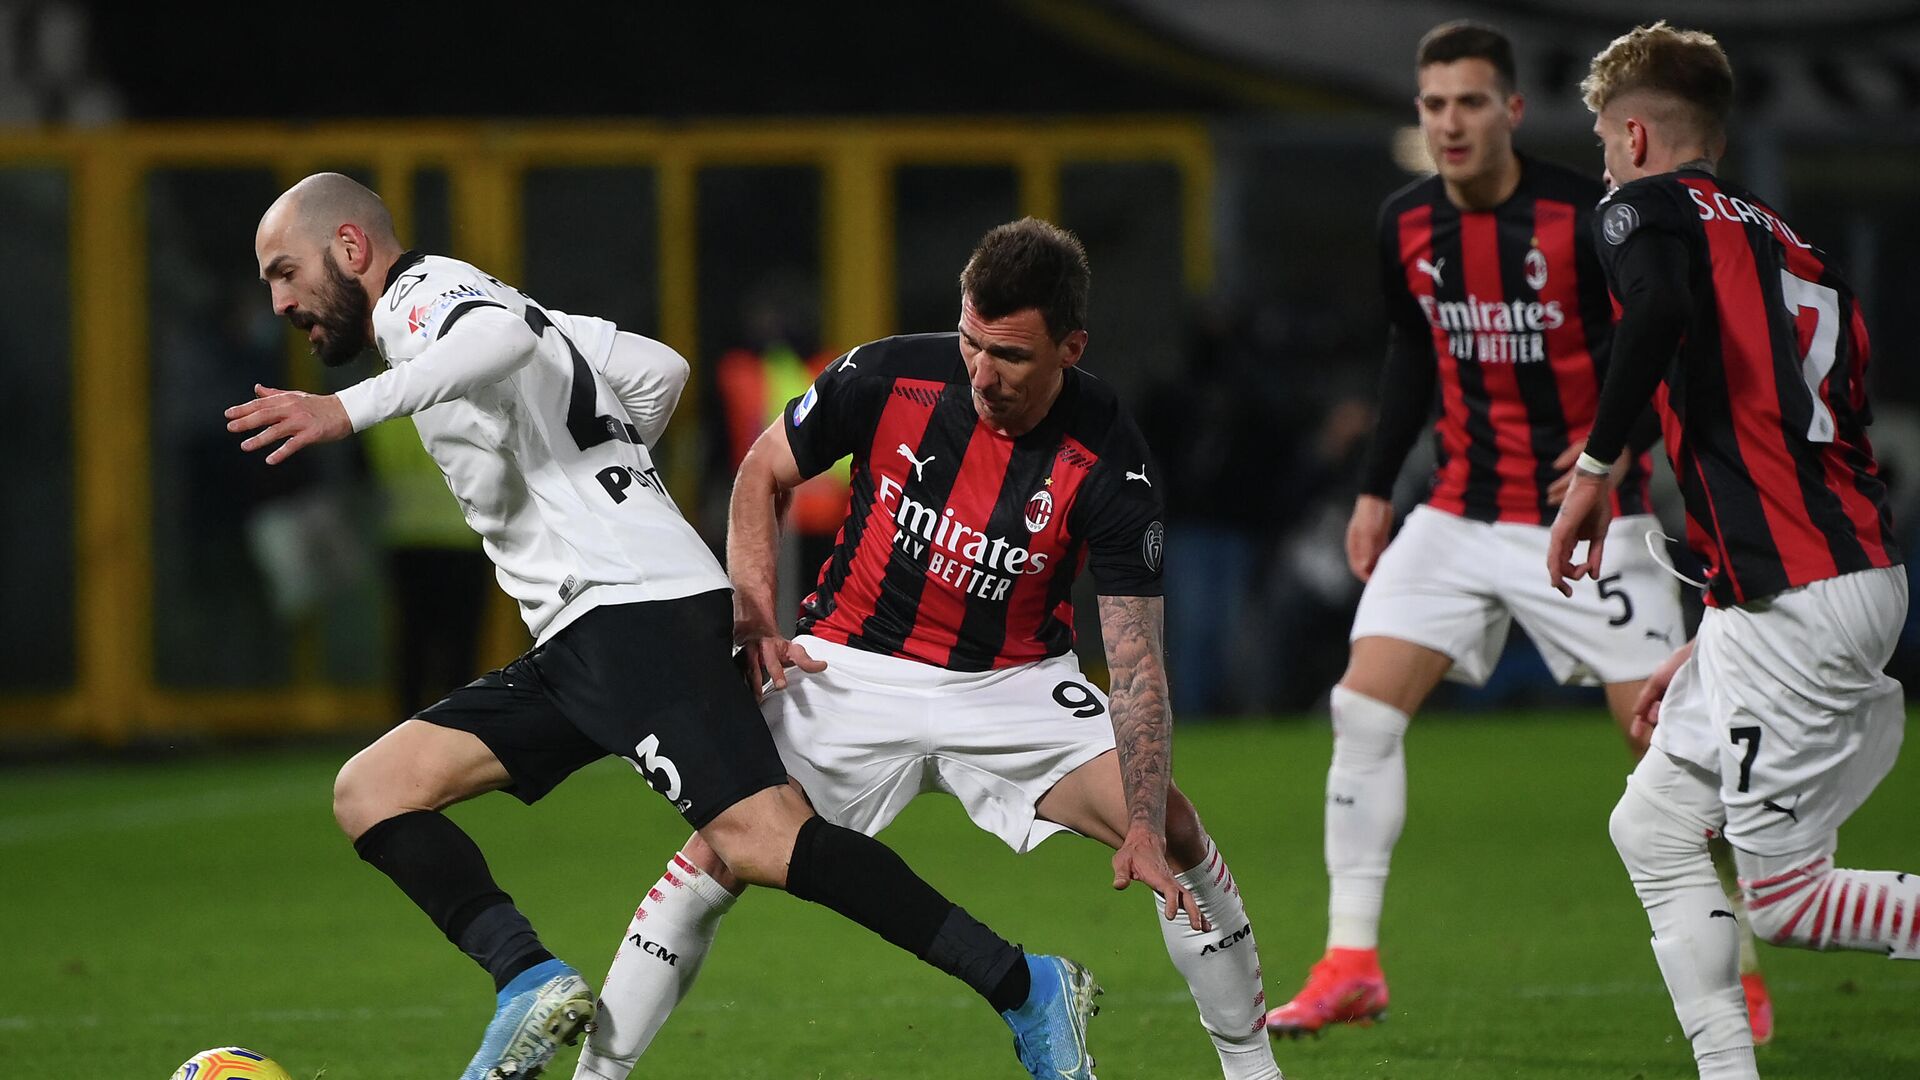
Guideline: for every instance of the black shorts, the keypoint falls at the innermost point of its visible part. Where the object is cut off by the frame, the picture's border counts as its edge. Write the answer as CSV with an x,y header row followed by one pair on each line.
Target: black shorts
x,y
652,682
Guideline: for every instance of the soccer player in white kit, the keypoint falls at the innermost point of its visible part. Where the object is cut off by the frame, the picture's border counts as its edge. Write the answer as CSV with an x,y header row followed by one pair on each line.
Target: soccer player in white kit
x,y
1778,720
541,422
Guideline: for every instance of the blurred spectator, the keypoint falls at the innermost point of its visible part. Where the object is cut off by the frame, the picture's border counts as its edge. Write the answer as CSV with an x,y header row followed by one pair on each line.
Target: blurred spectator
x,y
751,386
47,69
1311,593
437,575
1205,424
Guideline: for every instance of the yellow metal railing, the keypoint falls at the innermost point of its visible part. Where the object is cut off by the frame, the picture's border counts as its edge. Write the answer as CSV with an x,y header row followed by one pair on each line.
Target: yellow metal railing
x,y
114,695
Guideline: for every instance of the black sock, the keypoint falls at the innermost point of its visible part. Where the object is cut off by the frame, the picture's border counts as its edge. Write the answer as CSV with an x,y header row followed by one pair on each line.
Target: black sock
x,y
442,871
862,879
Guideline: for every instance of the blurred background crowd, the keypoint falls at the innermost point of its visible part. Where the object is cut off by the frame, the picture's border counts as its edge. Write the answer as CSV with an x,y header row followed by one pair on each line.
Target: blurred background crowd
x,y
764,186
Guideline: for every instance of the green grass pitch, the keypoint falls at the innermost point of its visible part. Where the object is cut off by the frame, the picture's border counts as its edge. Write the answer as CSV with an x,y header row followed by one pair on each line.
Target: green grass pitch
x,y
155,910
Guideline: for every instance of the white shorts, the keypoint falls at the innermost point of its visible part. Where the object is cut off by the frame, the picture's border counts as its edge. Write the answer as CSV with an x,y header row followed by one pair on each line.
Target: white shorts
x,y
1455,585
1787,701
871,732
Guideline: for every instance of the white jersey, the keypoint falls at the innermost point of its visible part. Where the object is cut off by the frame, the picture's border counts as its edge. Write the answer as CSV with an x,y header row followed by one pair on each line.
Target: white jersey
x,y
541,422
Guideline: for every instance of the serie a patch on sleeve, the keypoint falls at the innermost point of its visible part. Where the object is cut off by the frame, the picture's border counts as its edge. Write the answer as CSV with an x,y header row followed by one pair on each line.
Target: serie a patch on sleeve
x,y
1619,222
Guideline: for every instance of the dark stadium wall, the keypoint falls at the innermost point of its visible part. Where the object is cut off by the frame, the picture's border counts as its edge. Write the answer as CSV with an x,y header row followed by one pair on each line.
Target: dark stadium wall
x,y
356,59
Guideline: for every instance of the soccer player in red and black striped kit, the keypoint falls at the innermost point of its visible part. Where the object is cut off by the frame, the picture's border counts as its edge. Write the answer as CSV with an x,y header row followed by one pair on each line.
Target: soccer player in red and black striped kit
x,y
1776,722
935,652
1495,297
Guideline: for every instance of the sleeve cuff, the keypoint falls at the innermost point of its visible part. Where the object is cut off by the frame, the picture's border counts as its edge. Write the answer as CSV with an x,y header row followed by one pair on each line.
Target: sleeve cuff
x,y
362,409
1592,466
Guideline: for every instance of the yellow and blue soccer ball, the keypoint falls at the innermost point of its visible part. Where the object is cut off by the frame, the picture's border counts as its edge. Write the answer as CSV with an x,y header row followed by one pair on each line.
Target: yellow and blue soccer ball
x,y
230,1063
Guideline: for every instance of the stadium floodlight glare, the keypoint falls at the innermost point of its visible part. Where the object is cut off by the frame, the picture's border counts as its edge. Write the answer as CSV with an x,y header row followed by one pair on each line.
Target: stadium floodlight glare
x,y
1409,149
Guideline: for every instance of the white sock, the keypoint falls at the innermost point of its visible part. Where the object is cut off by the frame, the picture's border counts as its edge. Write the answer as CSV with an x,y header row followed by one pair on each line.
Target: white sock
x,y
1696,939
1222,969
1366,808
1735,1064
1805,903
653,968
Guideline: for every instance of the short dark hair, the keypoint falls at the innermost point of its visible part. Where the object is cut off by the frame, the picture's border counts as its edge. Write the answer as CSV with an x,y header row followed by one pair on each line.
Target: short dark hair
x,y
1030,264
1467,40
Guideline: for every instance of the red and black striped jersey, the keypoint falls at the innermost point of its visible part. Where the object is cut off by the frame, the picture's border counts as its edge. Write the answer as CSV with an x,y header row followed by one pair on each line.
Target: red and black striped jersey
x,y
1512,306
1764,408
961,544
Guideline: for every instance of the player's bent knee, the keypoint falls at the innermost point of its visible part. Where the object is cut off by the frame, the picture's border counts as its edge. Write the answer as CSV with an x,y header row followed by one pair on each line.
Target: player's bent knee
x,y
1366,730
1660,850
356,805
1631,826
754,837
379,783
1636,829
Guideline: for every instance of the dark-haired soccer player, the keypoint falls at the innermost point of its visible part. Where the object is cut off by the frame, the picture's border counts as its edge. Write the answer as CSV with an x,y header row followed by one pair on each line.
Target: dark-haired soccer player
x,y
1495,298
542,423
1777,720
934,653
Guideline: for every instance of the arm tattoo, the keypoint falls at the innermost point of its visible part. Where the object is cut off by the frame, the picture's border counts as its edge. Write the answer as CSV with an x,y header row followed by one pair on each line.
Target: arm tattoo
x,y
1142,720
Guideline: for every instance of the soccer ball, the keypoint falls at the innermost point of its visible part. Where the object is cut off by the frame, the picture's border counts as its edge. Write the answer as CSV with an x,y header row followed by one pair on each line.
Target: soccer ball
x,y
230,1063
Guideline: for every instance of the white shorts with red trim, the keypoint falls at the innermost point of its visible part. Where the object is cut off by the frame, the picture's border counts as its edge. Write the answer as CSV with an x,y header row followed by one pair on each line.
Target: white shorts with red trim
x,y
872,732
1456,585
1787,700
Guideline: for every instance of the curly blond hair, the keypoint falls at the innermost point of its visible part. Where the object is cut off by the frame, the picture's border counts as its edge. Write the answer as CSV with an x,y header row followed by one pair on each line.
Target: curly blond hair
x,y
1687,66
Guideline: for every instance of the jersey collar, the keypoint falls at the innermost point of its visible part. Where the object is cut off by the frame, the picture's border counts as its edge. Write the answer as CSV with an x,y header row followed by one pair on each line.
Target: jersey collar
x,y
407,261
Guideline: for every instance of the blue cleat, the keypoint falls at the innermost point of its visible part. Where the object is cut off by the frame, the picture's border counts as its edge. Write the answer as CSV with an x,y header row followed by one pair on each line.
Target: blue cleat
x,y
1050,1030
543,1007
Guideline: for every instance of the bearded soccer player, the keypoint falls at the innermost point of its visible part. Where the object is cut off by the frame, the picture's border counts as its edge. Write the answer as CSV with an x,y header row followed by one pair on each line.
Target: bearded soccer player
x,y
1776,722
1496,297
934,653
542,422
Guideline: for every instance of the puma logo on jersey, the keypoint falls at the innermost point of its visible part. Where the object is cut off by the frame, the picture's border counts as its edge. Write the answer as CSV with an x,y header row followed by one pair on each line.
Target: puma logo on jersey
x,y
846,362
1790,811
917,463
1140,476
1431,269
1665,637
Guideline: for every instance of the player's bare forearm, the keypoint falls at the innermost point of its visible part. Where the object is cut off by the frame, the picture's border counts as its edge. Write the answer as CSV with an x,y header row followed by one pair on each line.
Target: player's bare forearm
x,y
1142,718
761,490
753,541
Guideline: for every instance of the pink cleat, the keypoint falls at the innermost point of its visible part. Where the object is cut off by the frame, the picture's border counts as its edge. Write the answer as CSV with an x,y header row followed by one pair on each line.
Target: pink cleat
x,y
1345,987
1759,1007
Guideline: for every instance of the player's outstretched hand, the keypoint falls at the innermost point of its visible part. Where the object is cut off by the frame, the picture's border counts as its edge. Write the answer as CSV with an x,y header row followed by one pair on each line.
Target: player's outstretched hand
x,y
1143,857
768,658
1646,708
300,419
1367,533
1583,516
